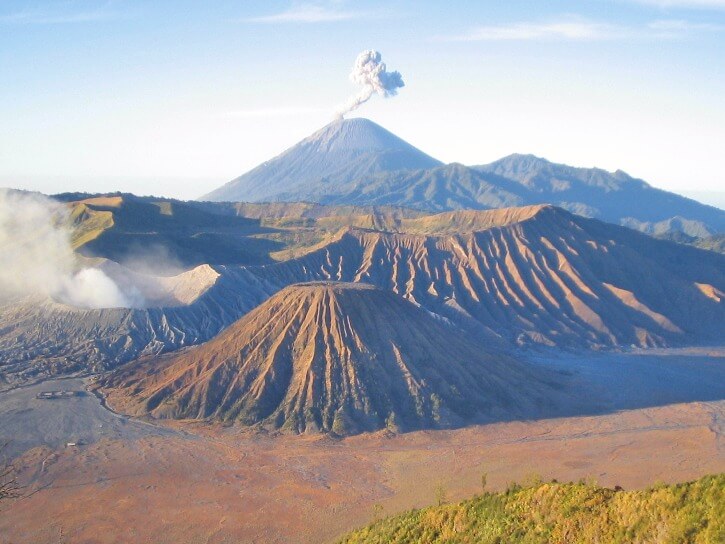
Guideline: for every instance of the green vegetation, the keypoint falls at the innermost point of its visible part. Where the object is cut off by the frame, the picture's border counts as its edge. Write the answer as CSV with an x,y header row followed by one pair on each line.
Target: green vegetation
x,y
88,224
133,229
715,242
126,228
565,513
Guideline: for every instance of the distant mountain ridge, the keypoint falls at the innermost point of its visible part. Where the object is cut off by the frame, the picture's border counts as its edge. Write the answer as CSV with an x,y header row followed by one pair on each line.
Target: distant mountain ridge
x,y
357,162
616,197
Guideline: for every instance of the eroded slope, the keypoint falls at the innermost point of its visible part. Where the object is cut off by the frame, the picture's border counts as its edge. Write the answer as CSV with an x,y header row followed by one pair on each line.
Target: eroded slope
x,y
335,357
524,276
544,276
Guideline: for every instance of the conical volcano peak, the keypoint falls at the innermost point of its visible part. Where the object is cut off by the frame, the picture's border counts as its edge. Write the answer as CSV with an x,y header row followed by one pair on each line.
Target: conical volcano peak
x,y
342,152
355,134
337,357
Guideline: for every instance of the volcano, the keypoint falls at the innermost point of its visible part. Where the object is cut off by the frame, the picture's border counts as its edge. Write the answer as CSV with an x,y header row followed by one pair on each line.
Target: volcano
x,y
339,357
529,276
340,152
357,162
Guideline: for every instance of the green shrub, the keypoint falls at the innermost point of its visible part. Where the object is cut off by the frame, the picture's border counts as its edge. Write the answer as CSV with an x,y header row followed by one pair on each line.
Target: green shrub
x,y
542,513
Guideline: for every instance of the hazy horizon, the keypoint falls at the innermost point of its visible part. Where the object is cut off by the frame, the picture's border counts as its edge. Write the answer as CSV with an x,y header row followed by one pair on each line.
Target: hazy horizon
x,y
161,99
187,188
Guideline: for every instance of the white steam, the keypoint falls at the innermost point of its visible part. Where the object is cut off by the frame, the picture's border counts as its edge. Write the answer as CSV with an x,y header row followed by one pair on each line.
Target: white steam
x,y
36,257
370,72
92,288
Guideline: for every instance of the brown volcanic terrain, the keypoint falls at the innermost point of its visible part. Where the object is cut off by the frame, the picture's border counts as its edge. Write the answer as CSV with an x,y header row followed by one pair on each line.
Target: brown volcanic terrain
x,y
523,276
535,275
215,486
340,357
346,325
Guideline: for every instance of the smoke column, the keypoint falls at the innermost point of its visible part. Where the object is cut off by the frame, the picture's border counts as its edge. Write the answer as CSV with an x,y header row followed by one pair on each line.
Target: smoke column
x,y
370,72
36,257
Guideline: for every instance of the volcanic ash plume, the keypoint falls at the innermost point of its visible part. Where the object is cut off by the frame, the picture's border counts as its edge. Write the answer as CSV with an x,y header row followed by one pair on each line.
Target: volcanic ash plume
x,y
36,257
370,72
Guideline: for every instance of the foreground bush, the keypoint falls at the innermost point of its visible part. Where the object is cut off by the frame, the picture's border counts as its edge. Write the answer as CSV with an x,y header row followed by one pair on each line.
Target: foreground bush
x,y
693,512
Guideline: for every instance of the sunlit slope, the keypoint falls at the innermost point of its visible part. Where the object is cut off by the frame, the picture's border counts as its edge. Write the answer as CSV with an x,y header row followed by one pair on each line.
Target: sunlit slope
x,y
335,357
152,231
524,276
577,513
164,232
544,276
88,223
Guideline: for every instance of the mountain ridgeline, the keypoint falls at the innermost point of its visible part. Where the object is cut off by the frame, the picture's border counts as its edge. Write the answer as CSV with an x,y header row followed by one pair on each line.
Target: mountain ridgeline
x,y
528,276
357,162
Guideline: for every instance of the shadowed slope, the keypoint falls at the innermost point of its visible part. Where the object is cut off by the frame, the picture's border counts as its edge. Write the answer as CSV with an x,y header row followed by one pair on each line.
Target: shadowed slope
x,y
521,180
611,196
334,357
445,187
356,162
158,231
40,337
534,275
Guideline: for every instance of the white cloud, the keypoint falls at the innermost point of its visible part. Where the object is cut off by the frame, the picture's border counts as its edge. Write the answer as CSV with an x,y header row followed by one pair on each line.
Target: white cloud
x,y
696,4
311,13
676,27
562,30
274,112
48,18
582,30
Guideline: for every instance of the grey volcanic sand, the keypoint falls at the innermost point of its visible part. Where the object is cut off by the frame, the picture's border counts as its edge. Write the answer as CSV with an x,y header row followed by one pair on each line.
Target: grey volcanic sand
x,y
643,378
27,422
230,485
612,382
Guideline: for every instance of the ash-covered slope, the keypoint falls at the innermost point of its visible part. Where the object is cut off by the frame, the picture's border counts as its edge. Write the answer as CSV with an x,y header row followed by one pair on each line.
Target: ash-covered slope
x,y
525,276
40,337
344,150
534,275
335,357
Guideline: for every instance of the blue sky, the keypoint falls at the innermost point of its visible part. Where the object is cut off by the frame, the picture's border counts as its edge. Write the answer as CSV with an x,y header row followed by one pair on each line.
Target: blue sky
x,y
178,97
